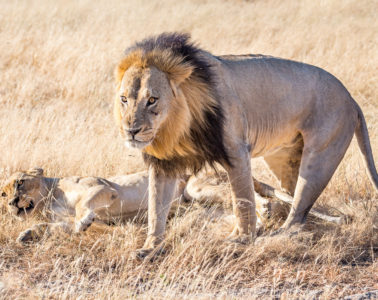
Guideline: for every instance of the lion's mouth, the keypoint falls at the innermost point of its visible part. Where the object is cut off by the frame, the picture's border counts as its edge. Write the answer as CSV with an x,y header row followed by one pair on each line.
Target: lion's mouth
x,y
25,210
134,143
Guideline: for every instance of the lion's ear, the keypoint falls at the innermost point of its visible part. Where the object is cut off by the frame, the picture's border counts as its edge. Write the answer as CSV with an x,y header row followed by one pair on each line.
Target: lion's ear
x,y
178,74
134,58
35,171
118,74
174,88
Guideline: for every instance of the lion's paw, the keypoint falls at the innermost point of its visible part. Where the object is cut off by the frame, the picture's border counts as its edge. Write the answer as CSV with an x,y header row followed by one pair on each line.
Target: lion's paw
x,y
148,253
290,232
243,239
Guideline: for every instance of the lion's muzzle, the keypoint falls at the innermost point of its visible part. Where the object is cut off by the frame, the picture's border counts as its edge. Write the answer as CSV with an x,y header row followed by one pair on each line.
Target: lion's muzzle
x,y
138,137
133,132
14,201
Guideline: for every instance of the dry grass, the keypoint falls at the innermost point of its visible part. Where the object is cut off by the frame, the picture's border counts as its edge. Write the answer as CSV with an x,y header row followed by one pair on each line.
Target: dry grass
x,y
56,62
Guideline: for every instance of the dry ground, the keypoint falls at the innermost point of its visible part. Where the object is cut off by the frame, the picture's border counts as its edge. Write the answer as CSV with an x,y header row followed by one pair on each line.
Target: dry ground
x,y
56,88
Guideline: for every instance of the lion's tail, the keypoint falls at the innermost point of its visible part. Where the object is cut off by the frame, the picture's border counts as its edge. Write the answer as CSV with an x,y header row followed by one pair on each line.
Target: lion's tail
x,y
362,135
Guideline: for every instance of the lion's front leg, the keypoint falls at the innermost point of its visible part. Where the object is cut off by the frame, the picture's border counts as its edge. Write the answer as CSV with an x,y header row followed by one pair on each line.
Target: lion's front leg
x,y
160,194
244,206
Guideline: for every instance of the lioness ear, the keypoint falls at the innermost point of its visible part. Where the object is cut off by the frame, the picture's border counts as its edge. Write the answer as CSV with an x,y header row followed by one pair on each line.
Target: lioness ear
x,y
35,171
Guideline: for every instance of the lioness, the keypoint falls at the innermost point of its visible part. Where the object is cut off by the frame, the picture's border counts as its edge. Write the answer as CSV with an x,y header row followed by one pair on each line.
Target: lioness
x,y
184,107
93,198
86,198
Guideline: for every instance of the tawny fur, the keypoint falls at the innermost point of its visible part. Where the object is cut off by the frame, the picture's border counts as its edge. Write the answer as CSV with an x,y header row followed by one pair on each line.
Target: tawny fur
x,y
85,198
192,101
300,118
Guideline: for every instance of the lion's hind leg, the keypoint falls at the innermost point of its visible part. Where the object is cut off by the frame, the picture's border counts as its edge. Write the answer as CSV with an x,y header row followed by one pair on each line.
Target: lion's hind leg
x,y
320,158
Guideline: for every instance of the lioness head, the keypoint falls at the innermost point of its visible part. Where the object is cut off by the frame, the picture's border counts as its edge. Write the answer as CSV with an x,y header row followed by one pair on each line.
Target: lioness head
x,y
23,192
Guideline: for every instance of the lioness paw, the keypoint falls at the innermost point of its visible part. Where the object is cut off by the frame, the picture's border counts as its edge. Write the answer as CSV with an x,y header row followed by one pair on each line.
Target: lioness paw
x,y
84,223
82,226
28,236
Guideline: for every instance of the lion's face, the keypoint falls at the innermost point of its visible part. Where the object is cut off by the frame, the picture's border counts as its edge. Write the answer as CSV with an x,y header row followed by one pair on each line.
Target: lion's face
x,y
23,193
142,105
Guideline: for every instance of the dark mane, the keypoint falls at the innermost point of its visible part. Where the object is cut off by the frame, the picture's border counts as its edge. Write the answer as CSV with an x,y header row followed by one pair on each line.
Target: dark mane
x,y
179,44
206,137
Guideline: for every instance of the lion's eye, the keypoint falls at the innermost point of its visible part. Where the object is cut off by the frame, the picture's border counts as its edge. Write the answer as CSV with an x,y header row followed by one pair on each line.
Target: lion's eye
x,y
123,99
151,100
3,194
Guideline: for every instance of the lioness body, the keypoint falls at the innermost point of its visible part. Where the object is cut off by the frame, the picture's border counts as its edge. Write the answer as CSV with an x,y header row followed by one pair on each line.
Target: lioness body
x,y
90,199
85,198
298,117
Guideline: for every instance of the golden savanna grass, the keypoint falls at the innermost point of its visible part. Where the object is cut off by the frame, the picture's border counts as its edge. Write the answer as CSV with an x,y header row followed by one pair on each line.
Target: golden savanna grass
x,y
56,89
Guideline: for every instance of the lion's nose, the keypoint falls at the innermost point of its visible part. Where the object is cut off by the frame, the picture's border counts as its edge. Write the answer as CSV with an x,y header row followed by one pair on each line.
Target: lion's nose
x,y
14,201
134,131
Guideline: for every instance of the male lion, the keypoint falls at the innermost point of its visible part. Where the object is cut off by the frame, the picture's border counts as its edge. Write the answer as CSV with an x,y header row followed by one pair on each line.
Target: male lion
x,y
184,107
86,198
